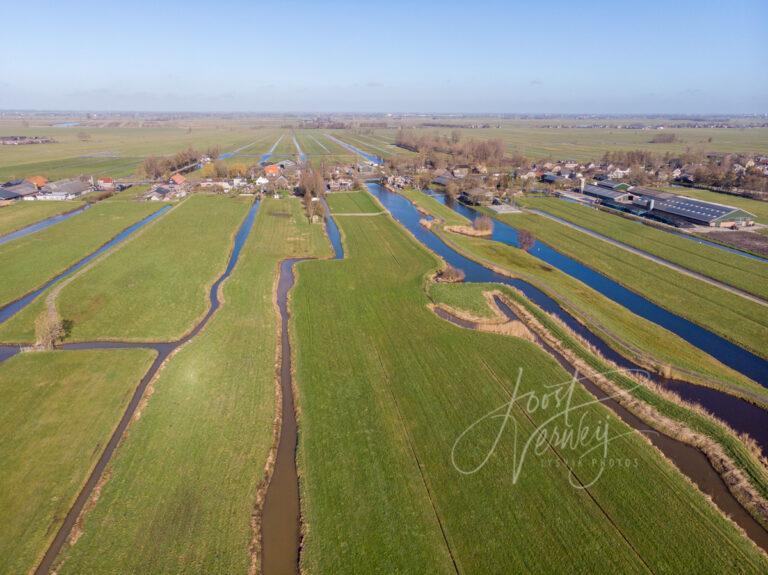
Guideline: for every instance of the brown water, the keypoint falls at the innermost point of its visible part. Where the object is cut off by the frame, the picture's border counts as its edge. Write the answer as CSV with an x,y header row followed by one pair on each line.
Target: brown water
x,y
280,520
689,460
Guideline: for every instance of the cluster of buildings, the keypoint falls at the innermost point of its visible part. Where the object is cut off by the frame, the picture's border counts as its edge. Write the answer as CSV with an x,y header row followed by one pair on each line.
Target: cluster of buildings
x,y
24,140
38,188
669,208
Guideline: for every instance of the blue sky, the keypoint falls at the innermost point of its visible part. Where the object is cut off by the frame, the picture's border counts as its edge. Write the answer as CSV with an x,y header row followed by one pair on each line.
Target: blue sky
x,y
389,56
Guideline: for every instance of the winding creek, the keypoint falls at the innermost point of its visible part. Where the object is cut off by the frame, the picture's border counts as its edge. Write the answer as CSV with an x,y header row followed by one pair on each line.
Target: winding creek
x,y
280,526
730,354
281,514
11,309
164,351
41,225
740,415
689,460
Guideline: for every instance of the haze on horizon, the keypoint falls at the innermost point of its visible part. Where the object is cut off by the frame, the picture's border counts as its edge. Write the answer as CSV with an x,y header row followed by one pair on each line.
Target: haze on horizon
x,y
442,57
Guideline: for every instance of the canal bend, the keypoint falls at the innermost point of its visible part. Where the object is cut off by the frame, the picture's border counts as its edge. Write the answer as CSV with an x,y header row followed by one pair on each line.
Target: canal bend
x,y
164,351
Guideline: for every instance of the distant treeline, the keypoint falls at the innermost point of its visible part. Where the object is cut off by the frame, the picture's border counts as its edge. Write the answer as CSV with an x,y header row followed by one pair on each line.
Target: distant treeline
x,y
157,166
482,151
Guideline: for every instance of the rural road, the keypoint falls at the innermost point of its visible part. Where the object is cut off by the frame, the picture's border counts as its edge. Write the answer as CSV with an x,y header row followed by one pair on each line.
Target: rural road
x,y
653,258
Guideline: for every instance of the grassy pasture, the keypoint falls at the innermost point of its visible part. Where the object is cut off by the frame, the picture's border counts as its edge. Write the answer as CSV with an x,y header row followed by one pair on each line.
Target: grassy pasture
x,y
384,391
353,203
29,261
157,285
585,144
112,151
735,318
22,214
747,274
469,297
182,486
59,409
623,330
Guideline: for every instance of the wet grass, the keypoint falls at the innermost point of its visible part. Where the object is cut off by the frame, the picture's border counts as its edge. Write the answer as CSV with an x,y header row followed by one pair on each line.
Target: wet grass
x,y
28,262
22,214
386,388
182,486
741,272
59,409
629,334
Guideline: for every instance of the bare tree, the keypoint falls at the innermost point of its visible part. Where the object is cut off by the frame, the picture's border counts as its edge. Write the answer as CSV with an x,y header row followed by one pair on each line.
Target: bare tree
x,y
525,239
48,329
483,224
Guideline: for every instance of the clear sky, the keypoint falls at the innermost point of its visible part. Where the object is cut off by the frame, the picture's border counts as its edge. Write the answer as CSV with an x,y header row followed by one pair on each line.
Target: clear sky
x,y
387,56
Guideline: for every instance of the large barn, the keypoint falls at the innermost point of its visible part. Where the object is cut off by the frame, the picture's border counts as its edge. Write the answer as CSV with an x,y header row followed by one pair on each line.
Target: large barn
x,y
670,208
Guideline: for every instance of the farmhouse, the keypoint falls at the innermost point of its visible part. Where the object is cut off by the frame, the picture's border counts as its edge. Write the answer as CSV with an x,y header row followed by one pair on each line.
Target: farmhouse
x,y
38,181
64,190
105,184
177,180
272,171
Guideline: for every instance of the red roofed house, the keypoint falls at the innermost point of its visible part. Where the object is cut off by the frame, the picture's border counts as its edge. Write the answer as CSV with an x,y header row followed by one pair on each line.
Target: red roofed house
x,y
106,184
272,171
39,181
177,179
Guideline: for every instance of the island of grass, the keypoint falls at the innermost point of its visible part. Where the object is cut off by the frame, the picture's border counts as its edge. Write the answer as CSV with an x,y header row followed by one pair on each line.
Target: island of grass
x,y
386,388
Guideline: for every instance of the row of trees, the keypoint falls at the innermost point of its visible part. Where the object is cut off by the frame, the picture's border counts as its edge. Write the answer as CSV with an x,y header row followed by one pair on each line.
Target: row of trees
x,y
159,166
463,151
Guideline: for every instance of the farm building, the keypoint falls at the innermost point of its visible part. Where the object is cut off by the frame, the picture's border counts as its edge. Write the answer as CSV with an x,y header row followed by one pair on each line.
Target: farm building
x,y
24,189
105,184
38,181
8,195
272,171
679,209
669,208
177,179
64,190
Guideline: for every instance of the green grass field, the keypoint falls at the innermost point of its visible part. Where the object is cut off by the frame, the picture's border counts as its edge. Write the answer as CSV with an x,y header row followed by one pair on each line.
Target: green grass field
x,y
469,297
529,138
353,203
157,285
59,410
744,273
386,388
22,214
114,151
149,289
29,261
321,150
182,486
735,318
629,334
